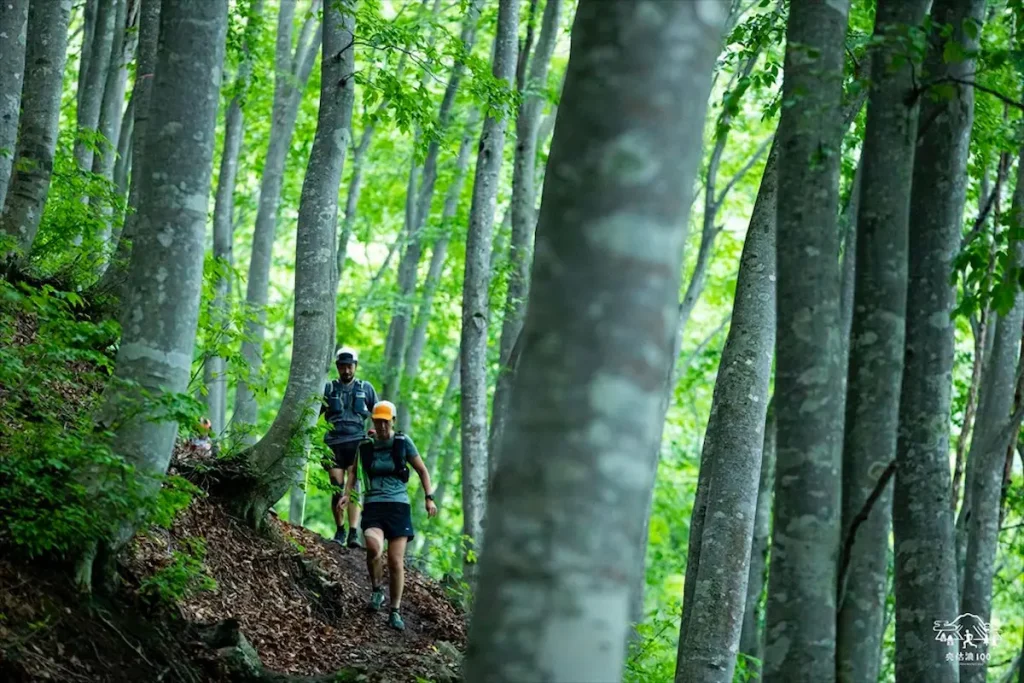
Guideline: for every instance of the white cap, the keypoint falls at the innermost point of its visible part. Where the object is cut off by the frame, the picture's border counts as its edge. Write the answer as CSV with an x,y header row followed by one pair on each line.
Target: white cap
x,y
346,355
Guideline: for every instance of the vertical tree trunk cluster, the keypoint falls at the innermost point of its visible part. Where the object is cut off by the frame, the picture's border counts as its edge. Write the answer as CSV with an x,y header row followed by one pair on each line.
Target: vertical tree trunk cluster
x,y
801,611
45,57
280,454
13,39
475,303
554,595
876,346
165,273
291,73
925,582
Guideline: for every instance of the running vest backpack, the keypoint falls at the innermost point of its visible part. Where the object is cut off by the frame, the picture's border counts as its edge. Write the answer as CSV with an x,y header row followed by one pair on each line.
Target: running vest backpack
x,y
346,411
400,468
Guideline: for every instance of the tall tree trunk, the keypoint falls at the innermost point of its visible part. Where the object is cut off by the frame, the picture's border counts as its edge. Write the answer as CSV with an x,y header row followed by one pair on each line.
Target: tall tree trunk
x,y
88,33
598,334
111,116
993,433
13,37
280,454
438,252
224,220
800,617
355,186
524,222
751,639
95,79
475,303
721,529
165,275
113,279
417,210
45,57
290,77
925,582
875,365
123,164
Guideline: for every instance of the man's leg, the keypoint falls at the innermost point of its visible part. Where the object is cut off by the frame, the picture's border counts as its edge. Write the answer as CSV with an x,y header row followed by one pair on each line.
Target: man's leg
x,y
375,565
354,509
338,480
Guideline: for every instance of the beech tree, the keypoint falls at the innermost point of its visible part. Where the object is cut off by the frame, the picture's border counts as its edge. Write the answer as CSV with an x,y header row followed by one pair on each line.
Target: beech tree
x,y
13,37
477,275
165,275
800,615
598,336
45,56
273,461
924,582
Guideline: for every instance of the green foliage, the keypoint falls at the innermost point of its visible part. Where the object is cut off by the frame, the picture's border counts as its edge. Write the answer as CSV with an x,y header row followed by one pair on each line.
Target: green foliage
x,y
184,576
62,484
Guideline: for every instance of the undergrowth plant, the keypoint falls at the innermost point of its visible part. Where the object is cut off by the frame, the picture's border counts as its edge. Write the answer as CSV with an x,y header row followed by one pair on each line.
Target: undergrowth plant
x,y
184,576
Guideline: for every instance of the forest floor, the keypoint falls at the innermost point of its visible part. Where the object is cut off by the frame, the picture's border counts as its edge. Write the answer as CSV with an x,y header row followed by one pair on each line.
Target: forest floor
x,y
299,599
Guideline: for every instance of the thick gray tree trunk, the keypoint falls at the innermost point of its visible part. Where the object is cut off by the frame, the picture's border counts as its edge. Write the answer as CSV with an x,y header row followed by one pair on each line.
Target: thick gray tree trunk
x,y
281,453
925,582
418,204
290,77
165,275
599,332
751,640
88,32
13,38
475,300
875,366
45,57
223,224
721,528
438,252
800,617
524,221
91,89
992,436
113,279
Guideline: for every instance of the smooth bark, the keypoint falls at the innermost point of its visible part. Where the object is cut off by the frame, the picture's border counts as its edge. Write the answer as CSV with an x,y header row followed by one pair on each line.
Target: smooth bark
x,y
721,529
94,81
751,638
875,362
113,279
13,38
475,300
524,221
800,617
291,73
45,57
925,582
988,454
281,453
554,598
165,274
223,224
123,164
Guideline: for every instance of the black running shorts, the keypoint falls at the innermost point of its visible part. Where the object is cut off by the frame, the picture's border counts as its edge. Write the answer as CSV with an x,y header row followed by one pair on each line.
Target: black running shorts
x,y
394,519
344,455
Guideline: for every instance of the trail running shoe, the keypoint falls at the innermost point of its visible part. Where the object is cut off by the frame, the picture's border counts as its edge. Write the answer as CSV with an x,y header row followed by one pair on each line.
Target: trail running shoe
x,y
377,599
395,621
339,537
353,539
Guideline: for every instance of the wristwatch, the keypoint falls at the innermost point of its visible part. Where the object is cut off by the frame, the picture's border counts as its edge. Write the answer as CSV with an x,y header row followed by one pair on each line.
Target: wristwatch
x,y
429,496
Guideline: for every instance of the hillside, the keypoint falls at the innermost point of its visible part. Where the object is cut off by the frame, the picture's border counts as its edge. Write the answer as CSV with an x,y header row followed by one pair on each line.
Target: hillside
x,y
298,599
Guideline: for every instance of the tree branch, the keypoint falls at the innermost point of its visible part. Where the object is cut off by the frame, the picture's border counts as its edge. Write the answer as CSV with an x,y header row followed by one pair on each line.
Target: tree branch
x,y
865,511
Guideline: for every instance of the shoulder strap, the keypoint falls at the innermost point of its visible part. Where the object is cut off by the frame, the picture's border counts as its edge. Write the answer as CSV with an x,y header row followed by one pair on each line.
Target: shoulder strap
x,y
366,455
398,453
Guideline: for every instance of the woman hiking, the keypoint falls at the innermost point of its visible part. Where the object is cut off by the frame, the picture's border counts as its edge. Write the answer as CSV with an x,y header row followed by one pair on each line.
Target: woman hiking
x,y
387,514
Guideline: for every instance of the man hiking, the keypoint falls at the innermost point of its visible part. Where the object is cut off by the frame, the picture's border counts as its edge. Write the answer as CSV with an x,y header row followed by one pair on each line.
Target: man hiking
x,y
387,515
347,404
